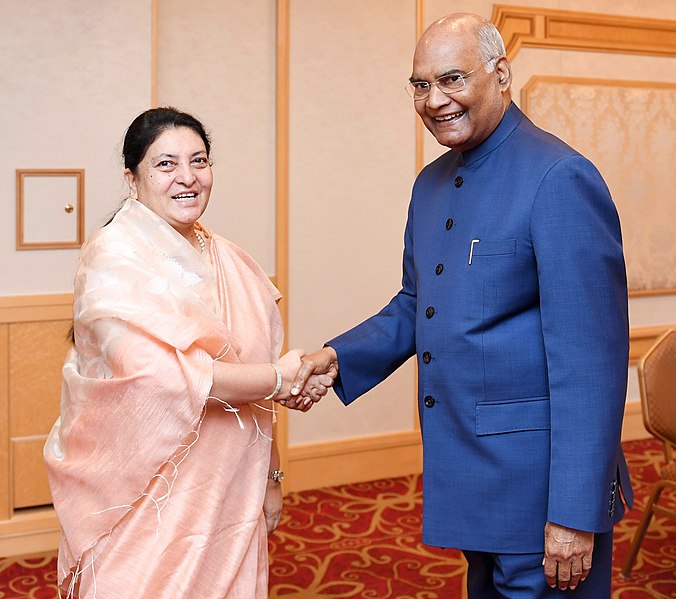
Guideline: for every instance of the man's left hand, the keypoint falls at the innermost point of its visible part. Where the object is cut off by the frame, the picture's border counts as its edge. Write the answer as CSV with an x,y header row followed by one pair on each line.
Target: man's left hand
x,y
568,556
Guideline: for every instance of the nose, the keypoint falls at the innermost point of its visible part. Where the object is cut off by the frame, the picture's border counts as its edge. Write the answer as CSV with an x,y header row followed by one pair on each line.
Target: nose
x,y
437,98
185,174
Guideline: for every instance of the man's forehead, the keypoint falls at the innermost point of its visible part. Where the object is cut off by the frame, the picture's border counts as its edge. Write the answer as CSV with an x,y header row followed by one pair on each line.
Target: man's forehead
x,y
447,55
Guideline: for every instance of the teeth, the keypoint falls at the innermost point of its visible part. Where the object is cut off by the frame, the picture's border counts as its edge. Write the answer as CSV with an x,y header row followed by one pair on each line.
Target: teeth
x,y
449,117
184,196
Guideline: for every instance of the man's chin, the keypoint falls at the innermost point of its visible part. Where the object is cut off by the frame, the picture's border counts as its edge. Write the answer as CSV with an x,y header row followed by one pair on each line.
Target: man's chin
x,y
450,141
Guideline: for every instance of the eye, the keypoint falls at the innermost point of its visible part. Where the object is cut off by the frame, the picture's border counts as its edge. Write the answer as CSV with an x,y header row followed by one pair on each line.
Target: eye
x,y
450,79
420,85
166,165
200,161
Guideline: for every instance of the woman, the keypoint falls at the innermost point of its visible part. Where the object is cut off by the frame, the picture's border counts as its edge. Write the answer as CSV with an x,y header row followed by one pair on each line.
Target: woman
x,y
162,467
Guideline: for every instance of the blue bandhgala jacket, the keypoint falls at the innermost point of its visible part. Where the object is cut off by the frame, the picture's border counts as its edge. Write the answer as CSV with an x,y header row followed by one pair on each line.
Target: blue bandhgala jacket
x,y
514,299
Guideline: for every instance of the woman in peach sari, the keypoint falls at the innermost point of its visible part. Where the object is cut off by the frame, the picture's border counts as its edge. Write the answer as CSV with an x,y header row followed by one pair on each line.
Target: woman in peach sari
x,y
162,467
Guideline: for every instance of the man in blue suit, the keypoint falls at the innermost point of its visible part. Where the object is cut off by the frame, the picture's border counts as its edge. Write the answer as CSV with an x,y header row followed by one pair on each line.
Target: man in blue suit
x,y
514,300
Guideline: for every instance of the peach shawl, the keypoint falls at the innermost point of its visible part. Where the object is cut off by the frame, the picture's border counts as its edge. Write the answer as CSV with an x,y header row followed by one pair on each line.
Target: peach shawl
x,y
158,488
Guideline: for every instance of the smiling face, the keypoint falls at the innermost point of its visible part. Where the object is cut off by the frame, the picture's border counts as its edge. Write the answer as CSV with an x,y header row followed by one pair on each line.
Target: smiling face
x,y
174,178
466,118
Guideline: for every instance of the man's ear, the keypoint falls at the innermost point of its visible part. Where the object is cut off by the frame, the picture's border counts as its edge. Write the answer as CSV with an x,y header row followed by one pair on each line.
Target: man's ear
x,y
504,72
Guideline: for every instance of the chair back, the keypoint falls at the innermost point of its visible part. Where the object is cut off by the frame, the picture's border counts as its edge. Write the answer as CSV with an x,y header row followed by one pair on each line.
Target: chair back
x,y
657,380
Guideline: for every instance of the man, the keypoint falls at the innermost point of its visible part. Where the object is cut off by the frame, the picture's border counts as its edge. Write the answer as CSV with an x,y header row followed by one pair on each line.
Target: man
x,y
514,300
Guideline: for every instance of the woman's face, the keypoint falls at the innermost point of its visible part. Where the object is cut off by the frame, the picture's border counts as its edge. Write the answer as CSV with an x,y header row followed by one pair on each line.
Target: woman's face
x,y
174,178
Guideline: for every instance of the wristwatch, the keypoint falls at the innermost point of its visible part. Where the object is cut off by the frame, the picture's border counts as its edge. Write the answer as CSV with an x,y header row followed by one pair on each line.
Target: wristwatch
x,y
276,475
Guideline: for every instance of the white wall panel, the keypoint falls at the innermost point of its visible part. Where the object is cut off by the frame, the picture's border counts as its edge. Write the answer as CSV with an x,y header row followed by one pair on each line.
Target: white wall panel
x,y
72,74
352,168
216,60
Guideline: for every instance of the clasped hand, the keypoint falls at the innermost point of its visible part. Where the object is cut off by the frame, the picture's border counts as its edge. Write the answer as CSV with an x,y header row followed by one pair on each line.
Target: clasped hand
x,y
306,377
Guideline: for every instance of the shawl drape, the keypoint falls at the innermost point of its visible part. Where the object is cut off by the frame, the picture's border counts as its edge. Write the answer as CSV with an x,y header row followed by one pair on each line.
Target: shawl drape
x,y
158,488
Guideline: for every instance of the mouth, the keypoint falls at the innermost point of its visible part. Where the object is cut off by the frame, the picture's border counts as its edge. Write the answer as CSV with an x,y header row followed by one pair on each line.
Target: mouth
x,y
185,197
449,118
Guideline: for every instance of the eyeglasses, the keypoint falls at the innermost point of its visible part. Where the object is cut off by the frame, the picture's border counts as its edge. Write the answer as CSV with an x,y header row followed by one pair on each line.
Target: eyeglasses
x,y
448,84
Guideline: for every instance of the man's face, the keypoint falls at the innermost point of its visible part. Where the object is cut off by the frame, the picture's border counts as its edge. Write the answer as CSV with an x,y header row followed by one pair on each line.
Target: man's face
x,y
466,118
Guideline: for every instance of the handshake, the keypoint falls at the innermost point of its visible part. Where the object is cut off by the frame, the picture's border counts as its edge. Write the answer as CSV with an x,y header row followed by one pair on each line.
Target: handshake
x,y
306,378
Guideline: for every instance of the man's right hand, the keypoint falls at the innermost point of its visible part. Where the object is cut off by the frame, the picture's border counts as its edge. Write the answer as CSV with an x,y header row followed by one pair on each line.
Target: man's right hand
x,y
324,361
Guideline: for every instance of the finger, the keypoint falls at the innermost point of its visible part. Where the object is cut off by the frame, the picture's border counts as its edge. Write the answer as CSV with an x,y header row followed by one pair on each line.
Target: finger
x,y
575,573
564,575
302,376
318,390
325,380
586,566
550,571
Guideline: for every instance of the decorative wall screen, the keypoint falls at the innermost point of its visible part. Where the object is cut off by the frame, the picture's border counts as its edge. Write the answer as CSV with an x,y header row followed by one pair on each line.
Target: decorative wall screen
x,y
628,130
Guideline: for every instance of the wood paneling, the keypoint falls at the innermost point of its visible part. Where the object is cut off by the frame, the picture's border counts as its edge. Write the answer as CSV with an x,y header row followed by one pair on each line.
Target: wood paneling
x,y
29,474
353,460
282,58
632,425
33,530
5,502
33,344
36,354
545,28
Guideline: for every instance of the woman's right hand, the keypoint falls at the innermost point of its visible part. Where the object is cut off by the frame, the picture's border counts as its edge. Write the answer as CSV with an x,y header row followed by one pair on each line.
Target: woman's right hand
x,y
316,387
288,365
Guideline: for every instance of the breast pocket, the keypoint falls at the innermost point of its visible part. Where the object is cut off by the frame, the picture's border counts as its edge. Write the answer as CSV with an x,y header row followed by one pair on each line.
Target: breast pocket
x,y
505,247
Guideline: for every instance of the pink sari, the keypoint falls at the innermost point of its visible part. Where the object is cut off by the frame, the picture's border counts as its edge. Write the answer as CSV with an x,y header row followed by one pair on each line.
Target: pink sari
x,y
159,490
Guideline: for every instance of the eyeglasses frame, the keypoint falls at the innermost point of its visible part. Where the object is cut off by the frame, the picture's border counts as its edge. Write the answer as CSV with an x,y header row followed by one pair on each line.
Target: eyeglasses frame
x,y
463,76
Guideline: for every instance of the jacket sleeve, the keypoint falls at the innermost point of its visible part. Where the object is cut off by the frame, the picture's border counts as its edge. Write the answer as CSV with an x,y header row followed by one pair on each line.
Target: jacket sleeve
x,y
577,242
374,349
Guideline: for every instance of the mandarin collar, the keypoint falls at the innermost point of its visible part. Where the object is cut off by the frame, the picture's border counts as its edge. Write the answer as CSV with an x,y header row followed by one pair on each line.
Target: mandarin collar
x,y
510,120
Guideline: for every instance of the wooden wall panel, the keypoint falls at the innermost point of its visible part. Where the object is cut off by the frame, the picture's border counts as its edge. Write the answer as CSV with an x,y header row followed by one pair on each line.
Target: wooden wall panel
x,y
37,350
5,503
29,474
548,28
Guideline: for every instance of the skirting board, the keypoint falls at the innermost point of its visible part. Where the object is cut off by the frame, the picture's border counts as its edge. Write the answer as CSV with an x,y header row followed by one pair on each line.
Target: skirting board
x,y
330,463
31,531
632,425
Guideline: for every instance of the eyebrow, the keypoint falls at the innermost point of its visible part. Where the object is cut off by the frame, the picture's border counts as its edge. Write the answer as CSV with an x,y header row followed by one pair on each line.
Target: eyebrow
x,y
453,71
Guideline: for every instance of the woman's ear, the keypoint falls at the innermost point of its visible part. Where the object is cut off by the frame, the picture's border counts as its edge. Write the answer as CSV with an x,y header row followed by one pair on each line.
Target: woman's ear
x,y
131,181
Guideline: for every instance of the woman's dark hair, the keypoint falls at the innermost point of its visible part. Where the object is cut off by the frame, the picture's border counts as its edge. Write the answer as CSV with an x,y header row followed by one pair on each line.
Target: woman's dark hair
x,y
147,127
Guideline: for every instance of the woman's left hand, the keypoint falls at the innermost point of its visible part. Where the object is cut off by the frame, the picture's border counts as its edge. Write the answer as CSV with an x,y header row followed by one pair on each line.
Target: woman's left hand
x,y
272,505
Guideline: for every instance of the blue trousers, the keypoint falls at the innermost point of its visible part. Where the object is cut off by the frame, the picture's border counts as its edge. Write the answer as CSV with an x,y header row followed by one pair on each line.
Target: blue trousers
x,y
521,576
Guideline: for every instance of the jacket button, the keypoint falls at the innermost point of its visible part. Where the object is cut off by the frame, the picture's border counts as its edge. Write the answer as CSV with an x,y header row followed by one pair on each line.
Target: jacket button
x,y
429,312
427,357
458,181
439,269
429,401
449,224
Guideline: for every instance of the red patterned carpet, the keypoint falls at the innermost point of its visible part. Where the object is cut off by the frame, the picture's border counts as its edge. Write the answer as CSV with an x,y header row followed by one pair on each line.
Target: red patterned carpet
x,y
363,540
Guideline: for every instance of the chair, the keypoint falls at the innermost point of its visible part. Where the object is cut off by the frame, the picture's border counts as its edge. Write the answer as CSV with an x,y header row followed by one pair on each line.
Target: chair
x,y
657,381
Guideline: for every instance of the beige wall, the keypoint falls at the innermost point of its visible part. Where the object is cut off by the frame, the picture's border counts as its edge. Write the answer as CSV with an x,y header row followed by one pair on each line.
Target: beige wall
x,y
219,64
73,73
352,166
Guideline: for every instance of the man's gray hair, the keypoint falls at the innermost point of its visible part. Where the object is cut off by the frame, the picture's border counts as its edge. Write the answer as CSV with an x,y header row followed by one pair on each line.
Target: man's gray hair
x,y
491,46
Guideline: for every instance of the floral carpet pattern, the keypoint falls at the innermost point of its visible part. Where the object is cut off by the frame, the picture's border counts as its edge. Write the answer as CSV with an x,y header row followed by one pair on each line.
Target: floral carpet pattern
x,y
363,540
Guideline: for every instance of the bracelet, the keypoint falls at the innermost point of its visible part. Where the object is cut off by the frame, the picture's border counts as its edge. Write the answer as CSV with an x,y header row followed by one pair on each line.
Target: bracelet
x,y
278,386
